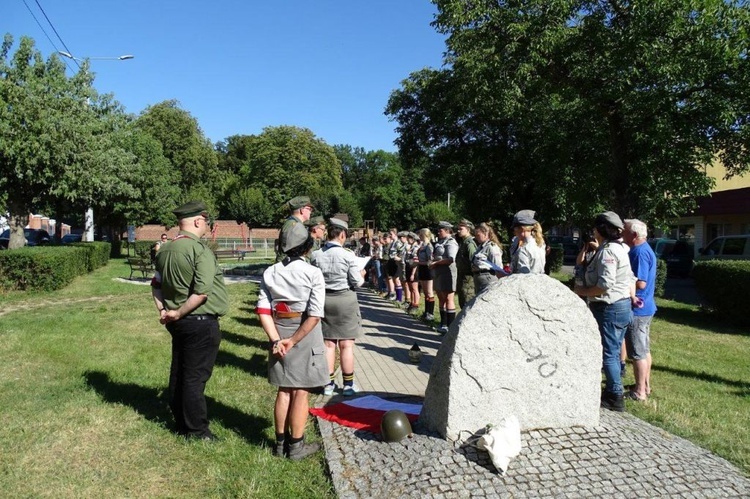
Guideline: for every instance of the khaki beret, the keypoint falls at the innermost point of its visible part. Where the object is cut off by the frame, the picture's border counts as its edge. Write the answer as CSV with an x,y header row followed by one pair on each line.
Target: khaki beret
x,y
611,218
524,217
295,236
337,222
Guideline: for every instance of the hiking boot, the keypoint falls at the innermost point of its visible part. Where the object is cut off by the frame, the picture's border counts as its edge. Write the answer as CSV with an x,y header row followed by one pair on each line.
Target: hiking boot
x,y
301,450
280,449
613,402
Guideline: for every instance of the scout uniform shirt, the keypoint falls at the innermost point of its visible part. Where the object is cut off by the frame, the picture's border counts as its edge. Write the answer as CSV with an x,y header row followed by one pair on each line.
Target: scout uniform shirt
x,y
339,267
187,266
610,271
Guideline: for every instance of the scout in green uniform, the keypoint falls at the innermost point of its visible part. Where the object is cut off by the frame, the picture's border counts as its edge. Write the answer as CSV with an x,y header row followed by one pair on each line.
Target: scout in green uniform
x,y
317,228
466,250
300,210
189,292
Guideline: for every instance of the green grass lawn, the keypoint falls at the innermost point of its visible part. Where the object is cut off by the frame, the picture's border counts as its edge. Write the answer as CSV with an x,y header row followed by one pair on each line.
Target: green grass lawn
x,y
83,372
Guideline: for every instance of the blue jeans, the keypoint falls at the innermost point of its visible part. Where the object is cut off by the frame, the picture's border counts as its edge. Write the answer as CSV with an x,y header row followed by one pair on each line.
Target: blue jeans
x,y
613,320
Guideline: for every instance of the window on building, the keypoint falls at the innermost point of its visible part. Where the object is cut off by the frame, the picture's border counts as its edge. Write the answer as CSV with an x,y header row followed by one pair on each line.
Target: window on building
x,y
718,230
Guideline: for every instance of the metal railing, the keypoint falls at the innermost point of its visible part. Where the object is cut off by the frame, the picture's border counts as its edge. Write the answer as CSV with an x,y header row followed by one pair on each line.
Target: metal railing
x,y
256,248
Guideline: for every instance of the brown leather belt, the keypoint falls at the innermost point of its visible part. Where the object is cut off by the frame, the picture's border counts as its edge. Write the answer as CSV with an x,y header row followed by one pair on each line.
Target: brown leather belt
x,y
287,315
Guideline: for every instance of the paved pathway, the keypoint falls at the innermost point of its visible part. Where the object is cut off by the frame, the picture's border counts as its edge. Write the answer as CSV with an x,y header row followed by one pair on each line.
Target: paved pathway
x,y
622,457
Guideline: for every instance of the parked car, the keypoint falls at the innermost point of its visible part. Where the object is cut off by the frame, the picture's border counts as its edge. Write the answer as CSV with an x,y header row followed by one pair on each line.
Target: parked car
x,y
71,238
727,248
34,237
677,254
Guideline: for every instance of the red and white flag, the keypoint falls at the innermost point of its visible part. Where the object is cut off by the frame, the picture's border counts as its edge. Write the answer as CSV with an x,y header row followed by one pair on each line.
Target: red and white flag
x,y
364,413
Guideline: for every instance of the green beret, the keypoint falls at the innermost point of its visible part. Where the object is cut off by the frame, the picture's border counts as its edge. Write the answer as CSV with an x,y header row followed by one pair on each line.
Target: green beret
x,y
337,222
315,221
191,209
295,236
299,202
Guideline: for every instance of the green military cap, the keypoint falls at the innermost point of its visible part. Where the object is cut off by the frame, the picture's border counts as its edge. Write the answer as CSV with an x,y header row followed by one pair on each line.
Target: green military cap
x,y
337,222
315,221
466,224
296,236
299,202
191,209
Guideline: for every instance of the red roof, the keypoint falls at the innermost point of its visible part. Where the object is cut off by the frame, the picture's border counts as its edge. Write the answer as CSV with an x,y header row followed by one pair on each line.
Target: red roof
x,y
731,202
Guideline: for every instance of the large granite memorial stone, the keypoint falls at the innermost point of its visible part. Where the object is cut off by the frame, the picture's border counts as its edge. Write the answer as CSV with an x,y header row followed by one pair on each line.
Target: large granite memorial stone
x,y
526,346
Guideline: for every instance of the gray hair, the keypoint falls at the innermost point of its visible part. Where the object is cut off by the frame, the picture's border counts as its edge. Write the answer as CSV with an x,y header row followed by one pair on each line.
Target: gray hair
x,y
637,227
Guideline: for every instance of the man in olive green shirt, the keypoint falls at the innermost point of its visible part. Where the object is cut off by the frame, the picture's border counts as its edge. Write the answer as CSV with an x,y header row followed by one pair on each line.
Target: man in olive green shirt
x,y
466,250
190,295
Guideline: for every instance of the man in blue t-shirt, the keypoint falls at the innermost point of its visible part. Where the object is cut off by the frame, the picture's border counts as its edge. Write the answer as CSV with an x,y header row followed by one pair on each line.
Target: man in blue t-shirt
x,y
643,263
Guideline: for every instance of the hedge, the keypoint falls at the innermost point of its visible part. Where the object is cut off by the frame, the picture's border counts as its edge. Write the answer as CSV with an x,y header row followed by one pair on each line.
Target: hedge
x,y
725,287
554,260
661,278
47,268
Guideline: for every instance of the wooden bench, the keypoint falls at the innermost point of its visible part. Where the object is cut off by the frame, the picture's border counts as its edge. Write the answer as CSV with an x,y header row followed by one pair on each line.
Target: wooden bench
x,y
142,265
230,253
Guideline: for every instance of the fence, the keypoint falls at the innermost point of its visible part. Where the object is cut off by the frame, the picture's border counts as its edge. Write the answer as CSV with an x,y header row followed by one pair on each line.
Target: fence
x,y
257,248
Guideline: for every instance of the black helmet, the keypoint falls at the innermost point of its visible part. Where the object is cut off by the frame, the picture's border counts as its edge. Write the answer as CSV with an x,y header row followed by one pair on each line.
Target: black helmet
x,y
394,426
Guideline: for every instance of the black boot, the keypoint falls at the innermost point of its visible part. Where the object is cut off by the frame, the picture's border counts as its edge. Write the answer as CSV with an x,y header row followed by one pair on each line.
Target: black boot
x,y
613,402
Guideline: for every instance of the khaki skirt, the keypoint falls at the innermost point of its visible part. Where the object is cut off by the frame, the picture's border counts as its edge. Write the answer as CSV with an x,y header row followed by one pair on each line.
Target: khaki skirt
x,y
305,365
342,319
445,278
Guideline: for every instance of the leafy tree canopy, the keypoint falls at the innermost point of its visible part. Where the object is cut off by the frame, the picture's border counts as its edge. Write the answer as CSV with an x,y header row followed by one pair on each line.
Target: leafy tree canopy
x,y
572,107
57,137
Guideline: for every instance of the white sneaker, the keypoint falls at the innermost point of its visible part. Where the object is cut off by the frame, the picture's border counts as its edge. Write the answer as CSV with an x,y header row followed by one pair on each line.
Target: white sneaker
x,y
350,390
329,389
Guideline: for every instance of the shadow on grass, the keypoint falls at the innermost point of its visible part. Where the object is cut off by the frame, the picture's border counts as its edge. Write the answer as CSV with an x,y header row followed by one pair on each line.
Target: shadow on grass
x,y
248,321
257,365
704,376
698,318
146,402
244,341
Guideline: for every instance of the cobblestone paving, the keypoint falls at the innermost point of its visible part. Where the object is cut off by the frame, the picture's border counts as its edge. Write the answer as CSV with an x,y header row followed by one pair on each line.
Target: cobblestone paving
x,y
623,457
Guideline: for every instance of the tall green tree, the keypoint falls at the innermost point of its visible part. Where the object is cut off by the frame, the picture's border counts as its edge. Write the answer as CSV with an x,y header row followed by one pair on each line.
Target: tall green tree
x,y
282,162
570,106
188,150
384,190
57,137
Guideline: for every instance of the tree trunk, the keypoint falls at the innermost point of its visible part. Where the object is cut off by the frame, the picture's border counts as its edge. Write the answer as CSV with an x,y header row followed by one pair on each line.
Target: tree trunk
x,y
17,222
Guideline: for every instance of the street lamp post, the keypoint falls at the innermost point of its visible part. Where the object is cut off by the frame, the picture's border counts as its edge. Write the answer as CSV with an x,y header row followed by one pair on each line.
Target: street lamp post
x,y
88,217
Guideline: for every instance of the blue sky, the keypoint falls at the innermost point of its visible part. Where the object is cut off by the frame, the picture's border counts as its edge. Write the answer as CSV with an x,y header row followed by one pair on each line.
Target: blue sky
x,y
239,66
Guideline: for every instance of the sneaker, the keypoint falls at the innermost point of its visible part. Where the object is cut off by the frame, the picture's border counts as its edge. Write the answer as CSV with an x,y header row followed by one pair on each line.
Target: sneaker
x,y
301,450
329,389
428,317
391,296
442,329
613,402
350,390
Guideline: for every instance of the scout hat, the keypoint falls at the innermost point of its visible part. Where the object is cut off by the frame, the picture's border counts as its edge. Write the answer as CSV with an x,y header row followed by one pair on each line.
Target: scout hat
x,y
412,235
295,236
611,218
445,225
191,209
299,202
524,217
315,221
403,233
466,224
337,222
